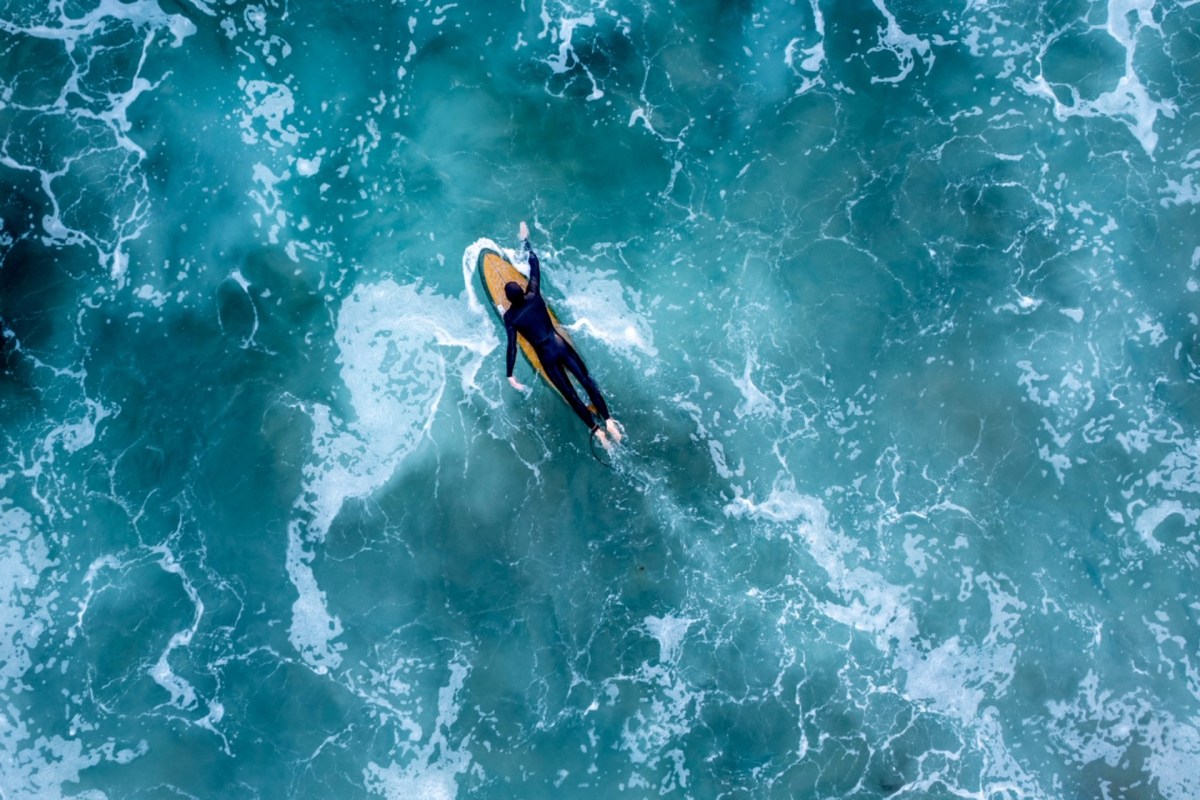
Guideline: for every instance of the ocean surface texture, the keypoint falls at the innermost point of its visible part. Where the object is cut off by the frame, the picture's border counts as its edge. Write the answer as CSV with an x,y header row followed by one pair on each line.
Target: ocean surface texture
x,y
897,300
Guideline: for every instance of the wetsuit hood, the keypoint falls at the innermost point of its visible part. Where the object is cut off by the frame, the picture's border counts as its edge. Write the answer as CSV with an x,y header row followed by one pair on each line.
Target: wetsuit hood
x,y
514,293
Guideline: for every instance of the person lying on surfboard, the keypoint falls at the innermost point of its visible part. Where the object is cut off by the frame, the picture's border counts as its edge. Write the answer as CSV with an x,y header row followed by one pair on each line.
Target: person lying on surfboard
x,y
528,316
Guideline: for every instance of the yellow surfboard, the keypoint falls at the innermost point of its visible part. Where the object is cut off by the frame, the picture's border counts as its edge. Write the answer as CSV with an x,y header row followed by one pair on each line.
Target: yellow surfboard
x,y
495,271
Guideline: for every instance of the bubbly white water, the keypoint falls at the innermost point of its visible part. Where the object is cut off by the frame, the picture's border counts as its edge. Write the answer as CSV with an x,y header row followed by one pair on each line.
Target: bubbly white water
x,y
896,304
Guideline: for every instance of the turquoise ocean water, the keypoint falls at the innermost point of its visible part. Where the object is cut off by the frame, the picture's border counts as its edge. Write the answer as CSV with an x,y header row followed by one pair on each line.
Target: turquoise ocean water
x,y
898,303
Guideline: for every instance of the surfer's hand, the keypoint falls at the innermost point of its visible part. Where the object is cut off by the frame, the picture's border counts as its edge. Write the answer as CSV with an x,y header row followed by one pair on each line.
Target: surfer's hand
x,y
516,384
523,231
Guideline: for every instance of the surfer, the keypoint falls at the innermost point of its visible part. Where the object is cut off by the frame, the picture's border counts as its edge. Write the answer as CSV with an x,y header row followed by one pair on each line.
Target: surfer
x,y
527,315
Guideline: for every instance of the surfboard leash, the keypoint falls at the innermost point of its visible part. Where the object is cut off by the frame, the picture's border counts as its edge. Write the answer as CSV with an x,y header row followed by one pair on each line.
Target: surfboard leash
x,y
592,445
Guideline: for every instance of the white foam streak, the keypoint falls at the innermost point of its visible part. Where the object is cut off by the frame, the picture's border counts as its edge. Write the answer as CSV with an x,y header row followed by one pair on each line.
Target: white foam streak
x,y
110,109
183,694
391,339
1130,101
139,12
24,557
605,309
807,62
203,7
270,104
1100,725
953,678
669,708
669,630
904,46
1180,469
80,417
431,773
754,401
566,59
1154,516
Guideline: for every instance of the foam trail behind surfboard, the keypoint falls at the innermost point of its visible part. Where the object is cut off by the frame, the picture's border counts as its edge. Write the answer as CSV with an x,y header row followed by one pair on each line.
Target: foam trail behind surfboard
x,y
470,264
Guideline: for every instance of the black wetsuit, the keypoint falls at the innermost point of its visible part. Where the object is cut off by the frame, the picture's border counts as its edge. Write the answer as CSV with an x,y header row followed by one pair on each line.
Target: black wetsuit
x,y
531,319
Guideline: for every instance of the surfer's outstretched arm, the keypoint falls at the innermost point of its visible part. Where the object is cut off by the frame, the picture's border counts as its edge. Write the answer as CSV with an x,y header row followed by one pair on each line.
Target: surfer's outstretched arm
x,y
535,269
535,272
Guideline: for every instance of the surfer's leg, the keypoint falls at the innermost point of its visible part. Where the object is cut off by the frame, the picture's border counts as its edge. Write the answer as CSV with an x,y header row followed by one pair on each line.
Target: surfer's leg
x,y
575,365
554,372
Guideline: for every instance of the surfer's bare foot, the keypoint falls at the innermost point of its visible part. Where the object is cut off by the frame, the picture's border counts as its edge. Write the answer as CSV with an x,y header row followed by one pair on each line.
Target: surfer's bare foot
x,y
615,429
523,232
599,434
